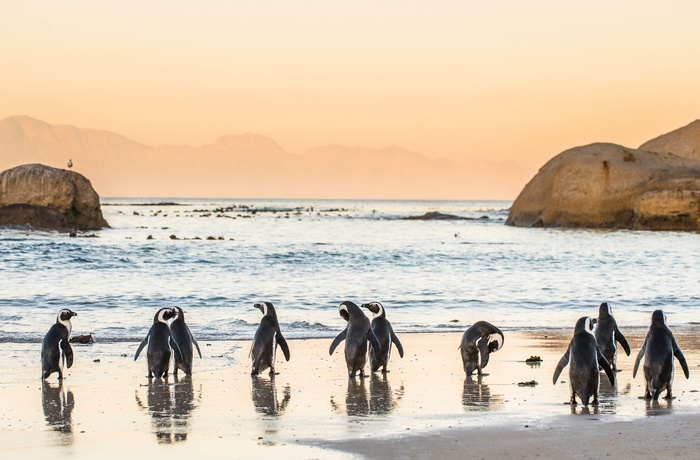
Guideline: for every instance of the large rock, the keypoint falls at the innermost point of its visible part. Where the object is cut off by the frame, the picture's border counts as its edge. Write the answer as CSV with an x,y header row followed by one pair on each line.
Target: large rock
x,y
610,186
41,187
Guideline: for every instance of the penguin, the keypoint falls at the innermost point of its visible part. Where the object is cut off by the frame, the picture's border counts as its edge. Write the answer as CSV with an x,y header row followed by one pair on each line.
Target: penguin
x,y
182,335
607,334
478,342
584,357
385,335
263,350
160,343
356,335
55,348
660,347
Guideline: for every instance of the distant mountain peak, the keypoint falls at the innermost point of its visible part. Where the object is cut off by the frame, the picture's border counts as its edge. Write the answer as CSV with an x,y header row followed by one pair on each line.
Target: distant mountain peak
x,y
248,142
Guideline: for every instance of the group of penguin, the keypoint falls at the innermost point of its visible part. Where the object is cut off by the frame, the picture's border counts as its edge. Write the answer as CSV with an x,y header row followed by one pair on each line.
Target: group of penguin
x,y
593,346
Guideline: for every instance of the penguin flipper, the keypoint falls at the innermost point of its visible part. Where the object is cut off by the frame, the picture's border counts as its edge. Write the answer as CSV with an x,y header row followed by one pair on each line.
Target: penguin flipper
x,y
68,352
605,364
640,355
622,340
395,341
375,343
199,352
283,345
337,341
560,366
138,351
679,356
176,349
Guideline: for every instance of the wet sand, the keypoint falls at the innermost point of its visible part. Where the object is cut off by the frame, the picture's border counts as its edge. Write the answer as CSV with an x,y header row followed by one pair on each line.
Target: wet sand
x,y
106,407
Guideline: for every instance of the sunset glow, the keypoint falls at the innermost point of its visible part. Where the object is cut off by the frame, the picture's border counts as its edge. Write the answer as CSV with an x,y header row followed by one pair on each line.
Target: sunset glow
x,y
499,81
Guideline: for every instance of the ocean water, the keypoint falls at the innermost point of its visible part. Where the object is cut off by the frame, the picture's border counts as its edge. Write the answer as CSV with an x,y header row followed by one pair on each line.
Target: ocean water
x,y
216,258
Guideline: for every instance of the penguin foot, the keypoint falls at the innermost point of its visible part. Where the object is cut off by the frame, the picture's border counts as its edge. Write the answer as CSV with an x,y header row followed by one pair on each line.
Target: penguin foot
x,y
669,397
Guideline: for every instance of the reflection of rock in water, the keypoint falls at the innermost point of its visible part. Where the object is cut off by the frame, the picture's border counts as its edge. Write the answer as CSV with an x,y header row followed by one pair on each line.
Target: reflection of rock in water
x,y
170,407
264,396
477,396
381,398
58,407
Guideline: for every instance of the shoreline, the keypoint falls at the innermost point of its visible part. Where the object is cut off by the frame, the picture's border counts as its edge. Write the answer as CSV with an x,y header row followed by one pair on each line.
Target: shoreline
x,y
425,406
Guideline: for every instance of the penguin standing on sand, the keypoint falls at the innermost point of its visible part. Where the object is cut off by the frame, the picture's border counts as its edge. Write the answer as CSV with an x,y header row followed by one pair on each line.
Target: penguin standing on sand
x,y
159,343
263,350
584,358
478,342
660,347
356,335
55,348
607,334
385,335
182,335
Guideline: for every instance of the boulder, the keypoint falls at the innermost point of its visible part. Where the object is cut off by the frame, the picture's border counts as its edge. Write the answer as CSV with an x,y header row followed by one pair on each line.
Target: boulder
x,y
43,190
611,186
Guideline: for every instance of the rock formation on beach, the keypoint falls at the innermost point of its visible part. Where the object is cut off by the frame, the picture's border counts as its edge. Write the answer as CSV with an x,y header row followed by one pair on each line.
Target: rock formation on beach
x,y
655,187
42,197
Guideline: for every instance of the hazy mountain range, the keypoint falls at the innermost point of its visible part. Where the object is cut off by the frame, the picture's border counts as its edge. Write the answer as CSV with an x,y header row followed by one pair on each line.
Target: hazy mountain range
x,y
251,166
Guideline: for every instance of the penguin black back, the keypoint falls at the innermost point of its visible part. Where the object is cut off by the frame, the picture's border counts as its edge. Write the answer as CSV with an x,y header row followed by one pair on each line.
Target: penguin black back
x,y
478,342
584,358
660,348
356,334
607,335
182,335
267,337
55,348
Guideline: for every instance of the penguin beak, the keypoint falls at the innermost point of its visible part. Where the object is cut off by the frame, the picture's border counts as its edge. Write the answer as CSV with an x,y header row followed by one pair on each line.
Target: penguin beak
x,y
370,307
74,313
260,307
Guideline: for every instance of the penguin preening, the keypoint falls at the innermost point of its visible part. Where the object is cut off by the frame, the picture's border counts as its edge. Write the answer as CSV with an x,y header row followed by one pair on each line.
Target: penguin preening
x,y
584,359
607,334
263,350
160,343
182,335
478,342
356,335
660,348
385,336
55,348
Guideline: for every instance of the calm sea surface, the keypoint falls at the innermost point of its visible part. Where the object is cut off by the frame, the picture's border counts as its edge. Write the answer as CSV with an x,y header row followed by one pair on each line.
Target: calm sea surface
x,y
216,258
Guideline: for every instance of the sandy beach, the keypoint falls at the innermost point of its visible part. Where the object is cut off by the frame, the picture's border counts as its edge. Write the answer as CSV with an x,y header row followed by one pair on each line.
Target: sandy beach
x,y
423,408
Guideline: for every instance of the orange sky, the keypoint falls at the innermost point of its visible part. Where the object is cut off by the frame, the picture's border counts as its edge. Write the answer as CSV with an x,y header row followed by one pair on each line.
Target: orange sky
x,y
455,79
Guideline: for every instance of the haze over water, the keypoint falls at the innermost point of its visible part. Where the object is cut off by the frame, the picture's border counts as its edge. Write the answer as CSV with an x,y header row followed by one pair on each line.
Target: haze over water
x,y
307,256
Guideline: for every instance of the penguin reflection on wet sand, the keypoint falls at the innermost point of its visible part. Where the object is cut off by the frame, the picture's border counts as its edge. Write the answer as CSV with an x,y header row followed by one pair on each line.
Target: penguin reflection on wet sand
x,y
607,334
183,337
385,335
356,335
58,407
55,348
659,347
478,342
263,350
170,407
264,395
160,343
584,359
